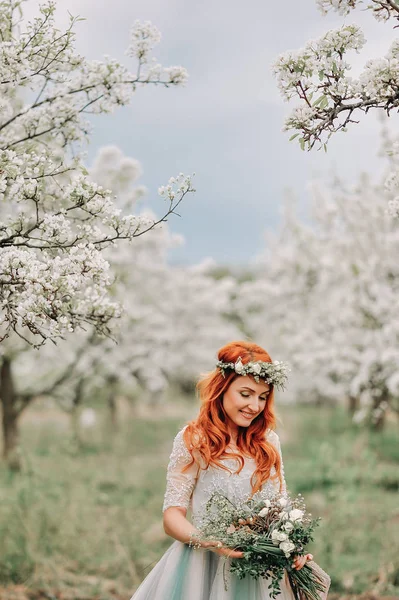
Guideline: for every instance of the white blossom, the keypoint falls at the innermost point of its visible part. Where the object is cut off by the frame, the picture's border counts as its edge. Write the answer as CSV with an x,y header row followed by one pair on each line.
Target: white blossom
x,y
381,9
318,76
143,38
56,220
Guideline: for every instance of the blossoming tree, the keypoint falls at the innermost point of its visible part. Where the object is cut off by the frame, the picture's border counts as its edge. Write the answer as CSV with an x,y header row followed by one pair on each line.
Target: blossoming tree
x,y
332,300
56,221
172,318
318,76
172,321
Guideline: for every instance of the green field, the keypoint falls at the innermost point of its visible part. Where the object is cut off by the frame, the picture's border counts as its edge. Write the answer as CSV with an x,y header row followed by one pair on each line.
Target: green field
x,y
85,521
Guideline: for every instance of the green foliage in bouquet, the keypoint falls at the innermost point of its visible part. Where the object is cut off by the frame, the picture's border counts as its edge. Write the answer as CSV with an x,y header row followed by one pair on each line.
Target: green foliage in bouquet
x,y
269,533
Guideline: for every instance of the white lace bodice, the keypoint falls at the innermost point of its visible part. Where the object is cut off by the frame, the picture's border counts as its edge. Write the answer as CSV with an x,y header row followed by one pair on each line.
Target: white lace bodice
x,y
193,488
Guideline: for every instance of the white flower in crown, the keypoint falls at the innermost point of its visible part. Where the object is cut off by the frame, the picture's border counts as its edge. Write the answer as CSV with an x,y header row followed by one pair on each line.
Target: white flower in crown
x,y
239,367
274,373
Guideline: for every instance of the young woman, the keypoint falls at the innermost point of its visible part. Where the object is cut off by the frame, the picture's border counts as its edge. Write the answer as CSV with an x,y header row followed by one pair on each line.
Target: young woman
x,y
231,448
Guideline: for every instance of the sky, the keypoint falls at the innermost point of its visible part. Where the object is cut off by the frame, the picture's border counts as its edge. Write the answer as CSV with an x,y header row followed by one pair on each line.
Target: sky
x,y
226,123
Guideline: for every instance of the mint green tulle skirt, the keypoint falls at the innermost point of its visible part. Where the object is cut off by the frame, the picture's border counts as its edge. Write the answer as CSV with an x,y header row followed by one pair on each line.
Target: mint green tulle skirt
x,y
186,574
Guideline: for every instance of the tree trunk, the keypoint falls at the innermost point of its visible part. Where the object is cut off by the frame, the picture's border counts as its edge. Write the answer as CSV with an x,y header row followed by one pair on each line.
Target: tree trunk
x,y
75,426
378,422
353,404
112,388
10,416
113,410
75,413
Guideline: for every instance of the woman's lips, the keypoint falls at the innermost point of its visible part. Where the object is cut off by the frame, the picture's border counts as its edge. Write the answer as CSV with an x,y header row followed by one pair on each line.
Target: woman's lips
x,y
246,415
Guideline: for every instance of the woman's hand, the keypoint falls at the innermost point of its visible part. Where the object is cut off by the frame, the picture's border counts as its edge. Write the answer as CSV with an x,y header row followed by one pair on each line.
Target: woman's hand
x,y
300,561
218,548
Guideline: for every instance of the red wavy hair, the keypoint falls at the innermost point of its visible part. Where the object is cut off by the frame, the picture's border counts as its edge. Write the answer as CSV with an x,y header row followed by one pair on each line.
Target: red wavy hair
x,y
208,435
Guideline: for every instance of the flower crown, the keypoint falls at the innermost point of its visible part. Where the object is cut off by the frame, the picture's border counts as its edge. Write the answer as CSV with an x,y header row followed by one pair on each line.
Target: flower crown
x,y
274,373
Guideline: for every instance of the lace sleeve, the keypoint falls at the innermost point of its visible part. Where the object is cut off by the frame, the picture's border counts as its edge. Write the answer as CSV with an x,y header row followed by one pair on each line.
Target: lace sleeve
x,y
275,440
179,485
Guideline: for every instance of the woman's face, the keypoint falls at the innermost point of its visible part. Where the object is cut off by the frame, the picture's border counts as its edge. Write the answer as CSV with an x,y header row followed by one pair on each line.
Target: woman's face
x,y
244,400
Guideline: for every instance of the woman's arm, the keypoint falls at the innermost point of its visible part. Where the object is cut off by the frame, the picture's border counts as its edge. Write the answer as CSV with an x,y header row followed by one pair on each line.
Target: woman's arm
x,y
180,485
177,526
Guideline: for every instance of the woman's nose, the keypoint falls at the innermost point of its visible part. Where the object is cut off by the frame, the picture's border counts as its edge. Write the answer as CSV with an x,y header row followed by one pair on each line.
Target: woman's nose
x,y
254,405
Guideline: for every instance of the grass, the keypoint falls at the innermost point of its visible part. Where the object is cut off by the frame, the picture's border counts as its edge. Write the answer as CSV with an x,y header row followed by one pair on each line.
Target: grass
x,y
85,521
351,480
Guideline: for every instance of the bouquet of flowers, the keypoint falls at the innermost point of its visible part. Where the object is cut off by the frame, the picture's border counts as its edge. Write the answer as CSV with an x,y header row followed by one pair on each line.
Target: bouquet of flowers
x,y
270,533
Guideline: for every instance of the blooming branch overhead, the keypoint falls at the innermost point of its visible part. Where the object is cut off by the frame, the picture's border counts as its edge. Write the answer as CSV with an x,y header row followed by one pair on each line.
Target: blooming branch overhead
x,y
54,219
318,76
382,9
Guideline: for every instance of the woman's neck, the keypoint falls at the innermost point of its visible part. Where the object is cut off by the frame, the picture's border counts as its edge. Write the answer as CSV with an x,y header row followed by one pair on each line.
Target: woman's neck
x,y
233,432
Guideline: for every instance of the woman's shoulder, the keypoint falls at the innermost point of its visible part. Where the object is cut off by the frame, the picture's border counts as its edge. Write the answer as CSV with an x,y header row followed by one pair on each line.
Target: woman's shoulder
x,y
184,449
179,435
195,437
179,441
272,437
185,443
180,453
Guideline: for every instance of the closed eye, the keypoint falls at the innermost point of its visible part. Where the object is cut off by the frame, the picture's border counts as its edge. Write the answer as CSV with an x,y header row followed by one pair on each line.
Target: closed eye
x,y
246,395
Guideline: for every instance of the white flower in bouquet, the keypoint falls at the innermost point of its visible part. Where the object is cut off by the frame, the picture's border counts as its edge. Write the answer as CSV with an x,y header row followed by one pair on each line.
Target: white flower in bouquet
x,y
278,536
283,501
296,514
267,544
264,512
287,547
274,537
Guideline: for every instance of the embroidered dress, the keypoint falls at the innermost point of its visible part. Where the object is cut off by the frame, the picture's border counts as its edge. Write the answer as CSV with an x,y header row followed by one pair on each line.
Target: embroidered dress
x,y
183,573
